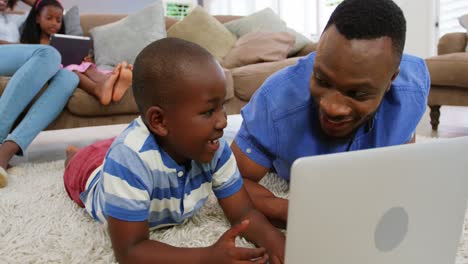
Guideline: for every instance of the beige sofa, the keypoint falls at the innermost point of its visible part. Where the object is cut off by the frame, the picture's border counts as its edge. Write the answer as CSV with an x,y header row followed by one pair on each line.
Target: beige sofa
x,y
84,110
449,74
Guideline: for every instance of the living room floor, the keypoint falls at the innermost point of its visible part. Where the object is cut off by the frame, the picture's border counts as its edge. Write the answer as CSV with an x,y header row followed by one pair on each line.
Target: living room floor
x,y
453,123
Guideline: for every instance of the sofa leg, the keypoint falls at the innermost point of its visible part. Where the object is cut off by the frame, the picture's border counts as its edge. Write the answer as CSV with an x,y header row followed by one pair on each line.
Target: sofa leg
x,y
435,114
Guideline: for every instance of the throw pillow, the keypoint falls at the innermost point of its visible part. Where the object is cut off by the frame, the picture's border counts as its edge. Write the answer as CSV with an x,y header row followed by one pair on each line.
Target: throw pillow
x,y
265,20
464,22
203,29
72,22
124,39
256,47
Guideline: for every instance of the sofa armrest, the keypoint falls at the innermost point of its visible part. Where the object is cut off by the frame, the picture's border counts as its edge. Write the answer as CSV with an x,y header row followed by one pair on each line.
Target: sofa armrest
x,y
451,43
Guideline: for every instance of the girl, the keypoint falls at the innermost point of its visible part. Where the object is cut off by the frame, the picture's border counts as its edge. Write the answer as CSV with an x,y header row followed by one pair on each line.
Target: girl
x,y
45,19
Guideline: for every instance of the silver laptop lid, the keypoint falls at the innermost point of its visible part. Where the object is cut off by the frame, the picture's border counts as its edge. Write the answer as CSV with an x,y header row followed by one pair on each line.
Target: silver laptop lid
x,y
403,204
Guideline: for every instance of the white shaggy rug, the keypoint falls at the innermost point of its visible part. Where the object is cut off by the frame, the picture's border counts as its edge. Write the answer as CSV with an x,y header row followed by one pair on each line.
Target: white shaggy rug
x,y
40,224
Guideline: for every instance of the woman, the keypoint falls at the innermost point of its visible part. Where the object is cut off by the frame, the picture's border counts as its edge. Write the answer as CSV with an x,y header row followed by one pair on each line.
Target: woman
x,y
31,67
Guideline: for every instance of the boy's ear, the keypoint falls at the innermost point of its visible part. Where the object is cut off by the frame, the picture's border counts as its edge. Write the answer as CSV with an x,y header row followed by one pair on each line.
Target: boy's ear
x,y
156,121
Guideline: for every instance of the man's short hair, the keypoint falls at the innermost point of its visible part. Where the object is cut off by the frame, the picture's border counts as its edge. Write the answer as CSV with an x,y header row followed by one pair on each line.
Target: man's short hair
x,y
370,19
160,67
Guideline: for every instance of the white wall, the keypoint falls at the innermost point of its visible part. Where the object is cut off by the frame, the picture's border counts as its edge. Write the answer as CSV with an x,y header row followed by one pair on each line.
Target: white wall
x,y
421,32
102,6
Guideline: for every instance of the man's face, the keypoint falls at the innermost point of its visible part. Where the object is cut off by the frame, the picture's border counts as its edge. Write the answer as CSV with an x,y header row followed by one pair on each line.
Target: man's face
x,y
349,80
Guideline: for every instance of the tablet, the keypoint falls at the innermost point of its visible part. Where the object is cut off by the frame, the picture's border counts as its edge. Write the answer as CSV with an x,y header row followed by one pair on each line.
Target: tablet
x,y
72,48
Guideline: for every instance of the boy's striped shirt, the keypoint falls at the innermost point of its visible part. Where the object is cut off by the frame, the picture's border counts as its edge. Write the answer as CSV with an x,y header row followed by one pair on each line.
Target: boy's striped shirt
x,y
138,181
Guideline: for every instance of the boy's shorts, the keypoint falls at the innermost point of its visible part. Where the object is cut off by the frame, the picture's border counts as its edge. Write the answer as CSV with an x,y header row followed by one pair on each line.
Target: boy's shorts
x,y
80,167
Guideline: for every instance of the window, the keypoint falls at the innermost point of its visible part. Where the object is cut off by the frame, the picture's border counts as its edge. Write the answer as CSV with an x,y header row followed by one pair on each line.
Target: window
x,y
450,11
177,9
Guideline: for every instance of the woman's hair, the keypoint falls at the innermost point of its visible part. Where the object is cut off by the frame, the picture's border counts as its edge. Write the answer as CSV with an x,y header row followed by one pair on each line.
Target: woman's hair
x,y
32,30
11,4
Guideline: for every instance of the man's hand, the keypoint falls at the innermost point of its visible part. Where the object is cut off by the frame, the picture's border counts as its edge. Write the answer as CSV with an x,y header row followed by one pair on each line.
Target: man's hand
x,y
225,250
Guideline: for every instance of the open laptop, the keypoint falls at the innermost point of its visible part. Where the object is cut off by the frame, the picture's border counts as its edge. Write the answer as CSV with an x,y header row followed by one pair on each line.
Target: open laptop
x,y
73,49
403,204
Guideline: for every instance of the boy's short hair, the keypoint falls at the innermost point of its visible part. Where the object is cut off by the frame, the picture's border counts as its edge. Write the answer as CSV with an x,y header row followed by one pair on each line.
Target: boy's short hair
x,y
160,66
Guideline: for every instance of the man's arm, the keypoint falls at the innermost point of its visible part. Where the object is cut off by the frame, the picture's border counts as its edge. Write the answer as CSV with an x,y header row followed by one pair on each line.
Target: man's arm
x,y
239,207
274,208
131,244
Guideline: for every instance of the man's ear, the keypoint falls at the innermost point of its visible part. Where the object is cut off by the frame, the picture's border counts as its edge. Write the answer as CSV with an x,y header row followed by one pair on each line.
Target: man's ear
x,y
395,74
156,121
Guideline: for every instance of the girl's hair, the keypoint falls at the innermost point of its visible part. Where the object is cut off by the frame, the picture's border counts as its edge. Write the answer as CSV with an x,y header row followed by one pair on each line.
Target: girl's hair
x,y
11,4
32,30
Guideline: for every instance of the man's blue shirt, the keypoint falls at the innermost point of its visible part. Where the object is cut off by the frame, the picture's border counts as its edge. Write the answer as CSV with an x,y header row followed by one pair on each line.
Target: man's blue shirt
x,y
280,123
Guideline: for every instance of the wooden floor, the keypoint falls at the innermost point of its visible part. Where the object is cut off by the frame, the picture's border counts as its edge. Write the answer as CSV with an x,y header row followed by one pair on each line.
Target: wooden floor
x,y
453,123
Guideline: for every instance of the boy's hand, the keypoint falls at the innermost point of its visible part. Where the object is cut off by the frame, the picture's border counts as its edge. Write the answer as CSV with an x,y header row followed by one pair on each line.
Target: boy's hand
x,y
225,250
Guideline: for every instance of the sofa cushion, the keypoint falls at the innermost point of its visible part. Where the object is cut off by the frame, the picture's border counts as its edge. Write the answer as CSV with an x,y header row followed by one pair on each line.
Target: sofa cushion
x,y
265,20
449,69
124,39
82,103
72,22
464,22
256,47
247,79
203,29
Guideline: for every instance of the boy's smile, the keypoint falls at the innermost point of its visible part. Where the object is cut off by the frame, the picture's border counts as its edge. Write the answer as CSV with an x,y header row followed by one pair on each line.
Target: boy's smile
x,y
196,119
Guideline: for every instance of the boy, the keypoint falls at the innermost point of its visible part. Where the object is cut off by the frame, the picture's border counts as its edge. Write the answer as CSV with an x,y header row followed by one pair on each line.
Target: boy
x,y
160,170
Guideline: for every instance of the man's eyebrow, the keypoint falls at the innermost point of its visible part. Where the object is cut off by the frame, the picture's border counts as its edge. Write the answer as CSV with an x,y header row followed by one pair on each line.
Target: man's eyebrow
x,y
213,100
363,85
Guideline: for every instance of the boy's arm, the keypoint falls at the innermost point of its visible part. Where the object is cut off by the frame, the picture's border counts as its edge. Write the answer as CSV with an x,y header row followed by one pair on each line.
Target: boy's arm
x,y
239,207
131,244
274,208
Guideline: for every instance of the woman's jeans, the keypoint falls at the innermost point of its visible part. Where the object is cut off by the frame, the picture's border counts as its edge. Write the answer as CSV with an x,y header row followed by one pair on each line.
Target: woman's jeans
x,y
31,66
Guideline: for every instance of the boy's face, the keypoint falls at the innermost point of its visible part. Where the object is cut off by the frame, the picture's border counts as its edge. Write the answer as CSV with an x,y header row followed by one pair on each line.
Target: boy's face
x,y
50,19
196,120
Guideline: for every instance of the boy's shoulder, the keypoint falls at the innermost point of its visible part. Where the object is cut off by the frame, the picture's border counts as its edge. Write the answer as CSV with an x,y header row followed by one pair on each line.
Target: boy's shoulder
x,y
135,137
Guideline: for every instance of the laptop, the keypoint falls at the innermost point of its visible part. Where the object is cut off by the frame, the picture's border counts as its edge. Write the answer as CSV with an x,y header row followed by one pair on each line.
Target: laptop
x,y
73,49
404,204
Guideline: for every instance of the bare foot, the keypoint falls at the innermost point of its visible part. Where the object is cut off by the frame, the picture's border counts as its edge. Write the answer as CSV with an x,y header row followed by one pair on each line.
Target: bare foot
x,y
70,152
105,92
124,82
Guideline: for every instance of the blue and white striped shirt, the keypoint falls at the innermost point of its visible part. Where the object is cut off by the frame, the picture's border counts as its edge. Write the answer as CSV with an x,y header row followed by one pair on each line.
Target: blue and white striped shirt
x,y
139,181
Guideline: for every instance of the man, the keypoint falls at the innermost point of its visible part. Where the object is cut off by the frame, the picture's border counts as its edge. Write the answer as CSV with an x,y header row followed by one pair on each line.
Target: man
x,y
357,91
